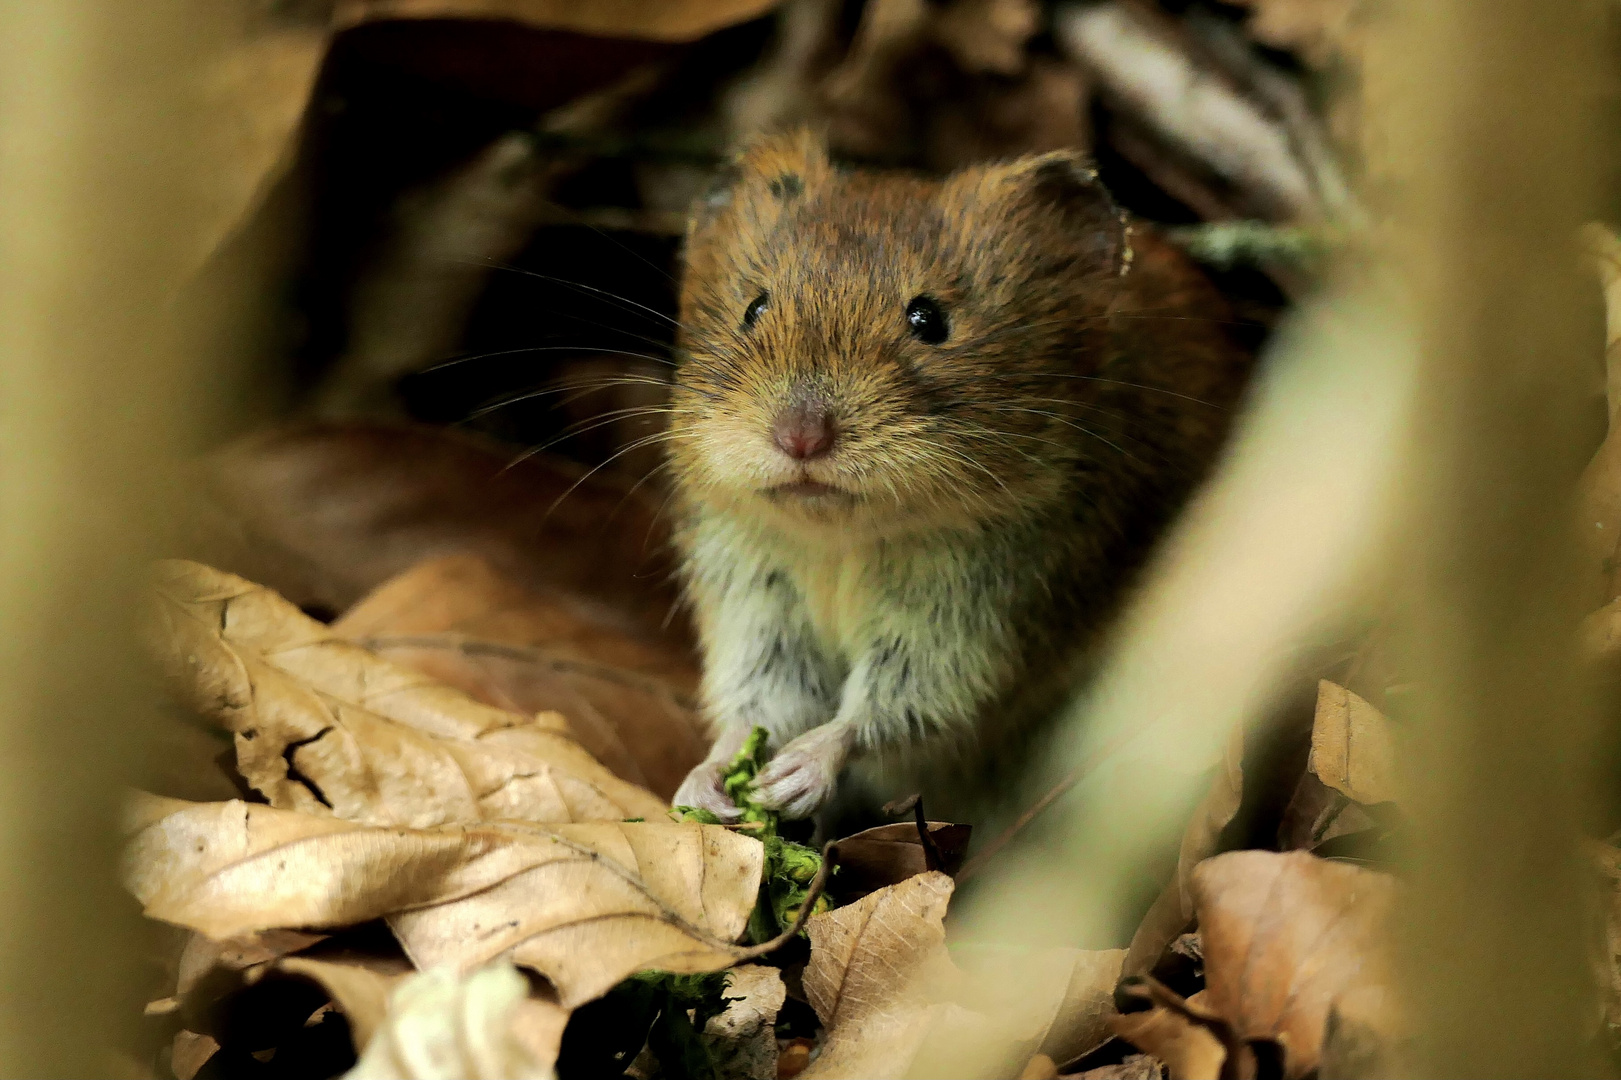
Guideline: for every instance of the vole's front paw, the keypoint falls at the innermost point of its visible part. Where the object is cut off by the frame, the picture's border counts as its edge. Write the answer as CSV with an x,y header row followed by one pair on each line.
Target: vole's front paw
x,y
703,788
802,774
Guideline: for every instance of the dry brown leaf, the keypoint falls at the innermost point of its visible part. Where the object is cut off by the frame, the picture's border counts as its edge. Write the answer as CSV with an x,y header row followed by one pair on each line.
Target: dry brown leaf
x,y
211,971
360,991
323,514
1285,936
862,979
889,854
1317,814
586,905
324,726
861,954
658,20
189,1052
254,96
599,902
459,620
1189,1050
742,1040
1352,746
481,1026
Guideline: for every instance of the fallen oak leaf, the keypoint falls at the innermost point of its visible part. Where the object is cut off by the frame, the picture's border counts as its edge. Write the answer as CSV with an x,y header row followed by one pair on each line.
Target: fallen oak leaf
x,y
1285,936
462,621
325,513
585,905
861,978
609,900
323,726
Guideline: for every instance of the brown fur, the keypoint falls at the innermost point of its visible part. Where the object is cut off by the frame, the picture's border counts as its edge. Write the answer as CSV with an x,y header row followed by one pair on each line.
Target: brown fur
x,y
998,488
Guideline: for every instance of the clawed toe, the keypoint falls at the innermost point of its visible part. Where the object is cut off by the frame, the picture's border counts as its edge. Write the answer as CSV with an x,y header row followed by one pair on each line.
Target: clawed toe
x,y
703,789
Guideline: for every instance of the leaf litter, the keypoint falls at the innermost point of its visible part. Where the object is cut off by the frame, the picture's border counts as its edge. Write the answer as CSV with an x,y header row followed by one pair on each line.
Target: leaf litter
x,y
453,849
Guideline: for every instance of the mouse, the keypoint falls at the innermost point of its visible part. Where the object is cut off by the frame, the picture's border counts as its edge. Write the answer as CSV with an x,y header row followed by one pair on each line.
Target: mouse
x,y
923,434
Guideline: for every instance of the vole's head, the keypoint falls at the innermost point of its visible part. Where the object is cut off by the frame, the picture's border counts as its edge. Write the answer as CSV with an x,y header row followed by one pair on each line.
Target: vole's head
x,y
867,349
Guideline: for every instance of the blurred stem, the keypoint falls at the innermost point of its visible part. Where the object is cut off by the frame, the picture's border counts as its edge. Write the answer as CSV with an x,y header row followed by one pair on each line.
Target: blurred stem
x,y
101,214
1493,148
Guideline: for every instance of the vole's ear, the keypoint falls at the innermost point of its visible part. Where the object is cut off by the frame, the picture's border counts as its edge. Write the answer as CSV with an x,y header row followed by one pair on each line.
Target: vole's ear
x,y
1060,188
765,177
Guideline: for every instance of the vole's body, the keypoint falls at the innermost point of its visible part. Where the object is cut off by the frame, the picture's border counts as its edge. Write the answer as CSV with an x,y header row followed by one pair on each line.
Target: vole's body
x,y
923,434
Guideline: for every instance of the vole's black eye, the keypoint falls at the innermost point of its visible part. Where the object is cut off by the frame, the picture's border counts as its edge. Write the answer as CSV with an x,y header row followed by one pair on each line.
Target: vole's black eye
x,y
927,321
751,314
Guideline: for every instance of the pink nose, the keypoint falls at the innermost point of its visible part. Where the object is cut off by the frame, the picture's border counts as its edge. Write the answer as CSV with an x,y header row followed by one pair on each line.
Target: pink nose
x,y
804,431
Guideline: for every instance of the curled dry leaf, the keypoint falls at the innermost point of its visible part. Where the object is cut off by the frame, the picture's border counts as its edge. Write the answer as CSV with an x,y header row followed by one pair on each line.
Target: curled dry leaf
x,y
481,1026
889,854
463,622
585,905
742,1040
360,991
1285,937
1352,746
325,727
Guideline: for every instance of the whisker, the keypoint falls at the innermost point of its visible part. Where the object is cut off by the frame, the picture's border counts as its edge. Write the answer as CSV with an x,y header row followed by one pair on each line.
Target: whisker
x,y
637,445
1114,382
456,360
624,301
582,427
584,390
1078,427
